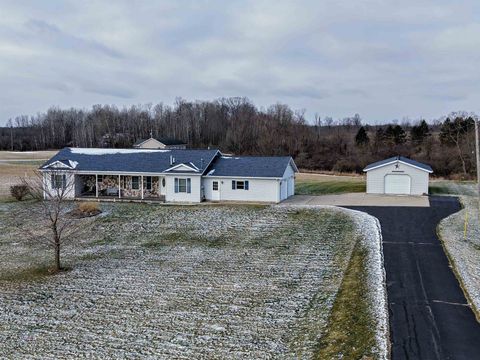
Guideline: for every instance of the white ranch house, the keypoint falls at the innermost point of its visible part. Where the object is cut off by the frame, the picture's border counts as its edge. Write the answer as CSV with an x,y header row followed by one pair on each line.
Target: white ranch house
x,y
183,176
399,176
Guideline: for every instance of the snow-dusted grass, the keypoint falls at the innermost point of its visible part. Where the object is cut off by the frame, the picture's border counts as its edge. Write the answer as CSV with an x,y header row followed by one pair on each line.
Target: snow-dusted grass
x,y
464,249
185,282
451,187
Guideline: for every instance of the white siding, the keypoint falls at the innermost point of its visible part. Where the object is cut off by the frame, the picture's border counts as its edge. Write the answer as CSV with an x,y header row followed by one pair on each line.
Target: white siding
x,y
418,178
288,183
71,184
261,190
172,196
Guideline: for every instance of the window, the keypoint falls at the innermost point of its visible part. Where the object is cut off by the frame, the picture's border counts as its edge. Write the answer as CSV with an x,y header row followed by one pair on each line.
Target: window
x,y
59,181
215,186
100,178
240,185
135,183
149,182
183,185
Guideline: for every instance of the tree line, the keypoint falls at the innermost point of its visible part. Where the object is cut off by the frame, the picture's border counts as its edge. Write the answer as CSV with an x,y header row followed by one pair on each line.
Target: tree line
x,y
235,125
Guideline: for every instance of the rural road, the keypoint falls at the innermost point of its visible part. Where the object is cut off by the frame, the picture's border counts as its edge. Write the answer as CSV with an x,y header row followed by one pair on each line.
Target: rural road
x,y
429,315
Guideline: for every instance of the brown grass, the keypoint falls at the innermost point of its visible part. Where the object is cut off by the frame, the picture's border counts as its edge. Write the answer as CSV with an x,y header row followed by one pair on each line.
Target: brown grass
x,y
88,207
27,155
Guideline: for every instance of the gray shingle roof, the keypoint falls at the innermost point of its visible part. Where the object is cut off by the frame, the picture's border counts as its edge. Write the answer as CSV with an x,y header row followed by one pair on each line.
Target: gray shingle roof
x,y
130,160
399,158
250,166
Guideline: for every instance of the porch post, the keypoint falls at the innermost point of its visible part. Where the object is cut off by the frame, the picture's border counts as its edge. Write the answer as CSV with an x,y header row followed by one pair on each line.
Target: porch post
x,y
119,187
96,185
141,178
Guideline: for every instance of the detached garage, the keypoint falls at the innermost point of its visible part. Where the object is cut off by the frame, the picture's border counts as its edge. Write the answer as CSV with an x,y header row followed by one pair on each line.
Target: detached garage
x,y
399,176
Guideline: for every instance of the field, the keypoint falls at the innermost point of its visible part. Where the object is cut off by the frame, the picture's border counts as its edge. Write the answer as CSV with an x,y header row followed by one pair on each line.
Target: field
x,y
320,184
196,282
14,165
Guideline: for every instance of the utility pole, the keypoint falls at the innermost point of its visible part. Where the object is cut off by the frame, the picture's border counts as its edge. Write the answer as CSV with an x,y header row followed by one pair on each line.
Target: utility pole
x,y
477,152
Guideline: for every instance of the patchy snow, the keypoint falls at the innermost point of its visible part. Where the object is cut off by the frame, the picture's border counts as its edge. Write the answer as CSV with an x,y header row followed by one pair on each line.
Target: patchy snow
x,y
371,237
230,158
99,151
464,249
369,226
187,282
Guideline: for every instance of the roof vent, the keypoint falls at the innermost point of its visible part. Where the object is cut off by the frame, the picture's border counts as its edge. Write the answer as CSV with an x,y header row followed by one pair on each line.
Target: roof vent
x,y
172,160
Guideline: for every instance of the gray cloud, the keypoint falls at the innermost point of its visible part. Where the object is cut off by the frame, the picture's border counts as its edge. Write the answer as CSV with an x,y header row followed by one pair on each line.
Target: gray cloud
x,y
331,57
51,35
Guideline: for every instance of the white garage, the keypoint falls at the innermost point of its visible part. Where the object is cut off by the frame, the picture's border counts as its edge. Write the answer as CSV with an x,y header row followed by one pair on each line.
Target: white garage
x,y
398,176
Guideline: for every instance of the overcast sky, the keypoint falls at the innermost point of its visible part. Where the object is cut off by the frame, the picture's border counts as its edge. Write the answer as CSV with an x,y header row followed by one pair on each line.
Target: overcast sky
x,y
381,59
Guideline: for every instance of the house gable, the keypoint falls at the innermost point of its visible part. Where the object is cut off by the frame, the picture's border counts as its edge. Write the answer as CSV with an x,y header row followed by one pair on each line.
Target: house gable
x,y
184,167
150,144
62,164
399,159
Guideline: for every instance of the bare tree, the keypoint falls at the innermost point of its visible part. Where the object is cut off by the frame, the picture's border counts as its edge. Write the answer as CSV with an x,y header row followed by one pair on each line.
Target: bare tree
x,y
54,225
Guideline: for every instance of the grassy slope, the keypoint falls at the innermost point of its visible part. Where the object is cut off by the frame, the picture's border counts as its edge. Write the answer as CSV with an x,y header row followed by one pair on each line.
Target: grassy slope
x,y
350,334
316,184
463,248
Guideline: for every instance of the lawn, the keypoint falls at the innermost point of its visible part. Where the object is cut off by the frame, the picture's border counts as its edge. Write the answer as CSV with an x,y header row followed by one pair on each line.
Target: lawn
x,y
197,282
449,187
318,184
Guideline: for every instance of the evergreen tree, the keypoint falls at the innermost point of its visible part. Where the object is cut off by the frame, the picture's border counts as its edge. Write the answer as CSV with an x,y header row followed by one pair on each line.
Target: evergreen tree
x,y
420,132
395,134
399,136
362,137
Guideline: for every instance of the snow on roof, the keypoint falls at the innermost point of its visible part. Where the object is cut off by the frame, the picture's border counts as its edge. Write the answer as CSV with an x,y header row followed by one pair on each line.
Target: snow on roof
x,y
91,151
130,160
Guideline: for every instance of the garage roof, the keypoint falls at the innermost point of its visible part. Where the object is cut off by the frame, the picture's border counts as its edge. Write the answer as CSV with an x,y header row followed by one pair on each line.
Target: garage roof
x,y
401,159
251,166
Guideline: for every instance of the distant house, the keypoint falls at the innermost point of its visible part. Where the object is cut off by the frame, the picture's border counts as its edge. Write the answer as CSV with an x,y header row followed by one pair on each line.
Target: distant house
x,y
170,175
398,175
164,143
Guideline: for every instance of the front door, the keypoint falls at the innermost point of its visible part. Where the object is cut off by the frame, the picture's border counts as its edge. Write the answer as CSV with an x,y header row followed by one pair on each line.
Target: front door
x,y
216,191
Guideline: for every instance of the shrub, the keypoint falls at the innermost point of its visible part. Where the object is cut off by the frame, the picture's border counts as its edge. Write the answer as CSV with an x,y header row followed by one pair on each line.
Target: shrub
x,y
19,191
89,207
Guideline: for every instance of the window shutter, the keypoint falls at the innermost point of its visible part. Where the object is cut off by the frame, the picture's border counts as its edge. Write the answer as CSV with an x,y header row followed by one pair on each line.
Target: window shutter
x,y
52,180
64,184
234,185
176,185
189,185
246,185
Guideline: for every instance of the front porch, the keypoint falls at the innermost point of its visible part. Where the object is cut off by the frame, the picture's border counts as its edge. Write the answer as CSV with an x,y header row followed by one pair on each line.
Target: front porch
x,y
120,187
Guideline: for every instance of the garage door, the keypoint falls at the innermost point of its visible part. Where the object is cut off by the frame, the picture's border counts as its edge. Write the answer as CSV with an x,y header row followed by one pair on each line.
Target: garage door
x,y
397,184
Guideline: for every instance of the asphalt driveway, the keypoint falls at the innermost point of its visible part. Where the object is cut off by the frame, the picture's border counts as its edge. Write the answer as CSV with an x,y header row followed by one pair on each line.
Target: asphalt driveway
x,y
429,315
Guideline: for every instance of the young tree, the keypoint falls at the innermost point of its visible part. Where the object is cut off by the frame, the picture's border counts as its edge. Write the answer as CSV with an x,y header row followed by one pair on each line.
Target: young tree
x,y
54,226
362,137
